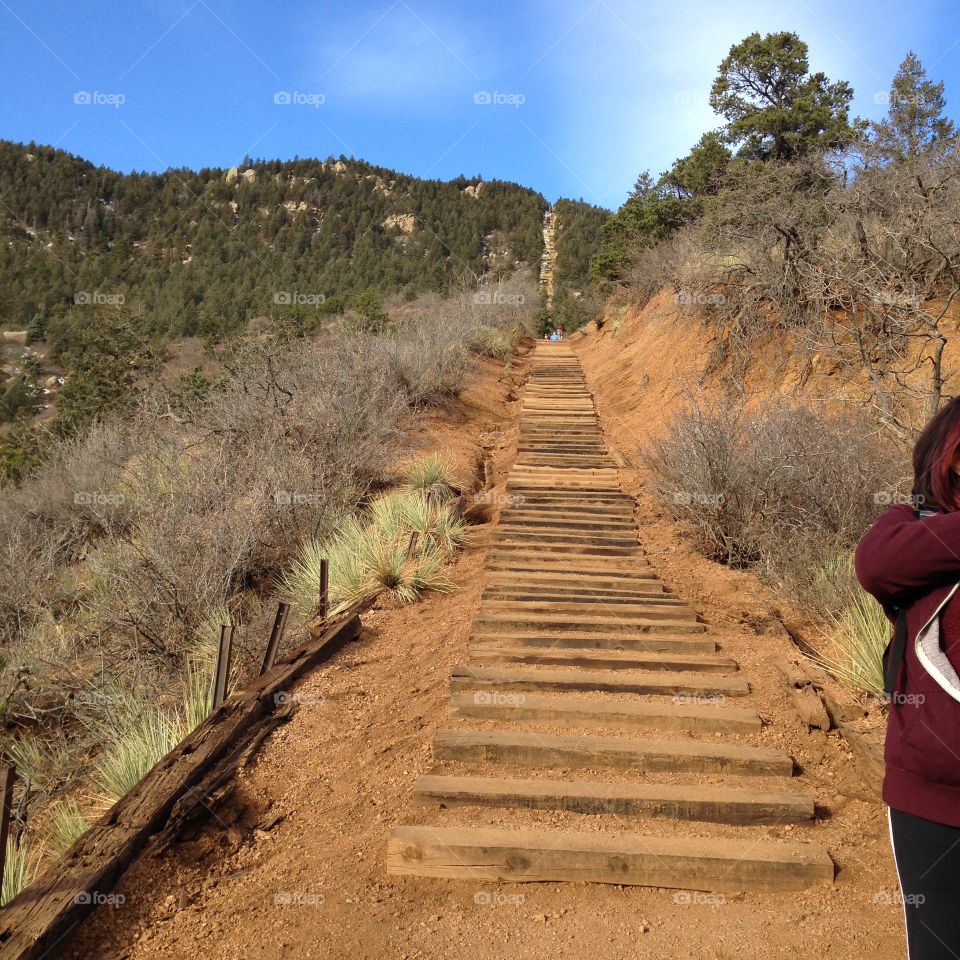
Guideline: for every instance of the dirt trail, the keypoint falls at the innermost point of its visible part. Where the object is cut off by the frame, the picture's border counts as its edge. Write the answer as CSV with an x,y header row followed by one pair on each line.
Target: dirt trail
x,y
295,865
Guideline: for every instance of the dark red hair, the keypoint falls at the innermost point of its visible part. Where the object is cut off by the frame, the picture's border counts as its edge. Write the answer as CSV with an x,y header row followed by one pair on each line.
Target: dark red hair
x,y
936,485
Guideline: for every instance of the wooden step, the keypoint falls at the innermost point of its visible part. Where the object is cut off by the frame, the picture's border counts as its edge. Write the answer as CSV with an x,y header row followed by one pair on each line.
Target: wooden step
x,y
527,522
640,608
534,594
598,641
663,683
529,576
500,549
526,484
686,863
564,461
559,498
570,751
500,585
600,513
674,801
538,538
555,567
506,623
494,653
573,711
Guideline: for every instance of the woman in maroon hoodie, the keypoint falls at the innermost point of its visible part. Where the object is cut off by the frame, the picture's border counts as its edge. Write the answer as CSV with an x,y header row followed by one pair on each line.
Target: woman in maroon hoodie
x,y
910,561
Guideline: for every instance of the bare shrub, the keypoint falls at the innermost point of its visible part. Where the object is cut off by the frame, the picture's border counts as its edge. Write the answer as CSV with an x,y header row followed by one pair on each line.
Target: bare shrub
x,y
781,489
841,257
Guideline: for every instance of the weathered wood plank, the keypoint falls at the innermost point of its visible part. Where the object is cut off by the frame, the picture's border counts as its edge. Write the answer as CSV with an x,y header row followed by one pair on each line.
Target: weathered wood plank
x,y
495,653
515,707
673,801
550,750
688,863
689,685
599,641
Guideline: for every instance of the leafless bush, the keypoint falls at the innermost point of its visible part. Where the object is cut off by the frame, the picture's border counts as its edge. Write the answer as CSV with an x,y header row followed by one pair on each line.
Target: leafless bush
x,y
776,488
425,355
884,278
846,258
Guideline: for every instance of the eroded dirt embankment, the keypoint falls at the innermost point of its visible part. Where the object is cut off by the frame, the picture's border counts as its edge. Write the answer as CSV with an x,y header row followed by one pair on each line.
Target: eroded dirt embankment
x,y
293,866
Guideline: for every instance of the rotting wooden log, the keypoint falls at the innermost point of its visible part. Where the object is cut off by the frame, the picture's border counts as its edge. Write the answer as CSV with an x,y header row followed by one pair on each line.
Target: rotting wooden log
x,y
198,805
869,757
804,696
38,922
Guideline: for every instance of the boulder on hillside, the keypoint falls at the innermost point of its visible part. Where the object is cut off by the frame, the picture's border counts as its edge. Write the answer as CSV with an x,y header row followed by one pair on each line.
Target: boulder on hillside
x,y
405,221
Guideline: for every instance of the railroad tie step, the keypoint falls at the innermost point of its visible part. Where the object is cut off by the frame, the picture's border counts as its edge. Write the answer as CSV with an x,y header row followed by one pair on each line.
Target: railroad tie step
x,y
675,683
619,753
686,863
701,714
651,643
714,804
499,653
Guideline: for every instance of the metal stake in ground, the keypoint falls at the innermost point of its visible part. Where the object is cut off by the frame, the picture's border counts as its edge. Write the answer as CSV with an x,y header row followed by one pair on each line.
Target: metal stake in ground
x,y
221,677
8,777
324,590
276,635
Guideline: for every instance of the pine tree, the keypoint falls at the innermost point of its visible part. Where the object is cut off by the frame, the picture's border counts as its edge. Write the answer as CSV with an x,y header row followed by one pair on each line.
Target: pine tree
x,y
915,120
776,109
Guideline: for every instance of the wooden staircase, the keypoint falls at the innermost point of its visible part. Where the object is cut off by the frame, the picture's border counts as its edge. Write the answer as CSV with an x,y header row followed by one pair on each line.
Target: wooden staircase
x,y
592,694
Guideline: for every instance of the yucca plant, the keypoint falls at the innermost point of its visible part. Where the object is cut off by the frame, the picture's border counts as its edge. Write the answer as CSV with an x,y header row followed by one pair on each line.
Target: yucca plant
x,y
67,824
348,579
391,512
20,868
197,694
406,569
39,761
408,511
433,521
364,560
134,739
859,635
431,475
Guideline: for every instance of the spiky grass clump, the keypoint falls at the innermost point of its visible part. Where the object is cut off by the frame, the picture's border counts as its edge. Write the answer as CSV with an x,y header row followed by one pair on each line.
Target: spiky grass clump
x,y
366,559
408,511
67,824
135,737
398,546
197,694
347,576
859,635
20,869
431,475
39,761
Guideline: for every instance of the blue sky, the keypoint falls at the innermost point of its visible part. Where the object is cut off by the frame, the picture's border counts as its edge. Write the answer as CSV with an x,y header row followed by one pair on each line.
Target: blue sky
x,y
571,98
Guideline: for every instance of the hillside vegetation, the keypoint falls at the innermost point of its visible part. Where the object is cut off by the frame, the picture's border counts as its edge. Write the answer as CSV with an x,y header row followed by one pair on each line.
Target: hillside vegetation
x,y
811,260
232,363
203,503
